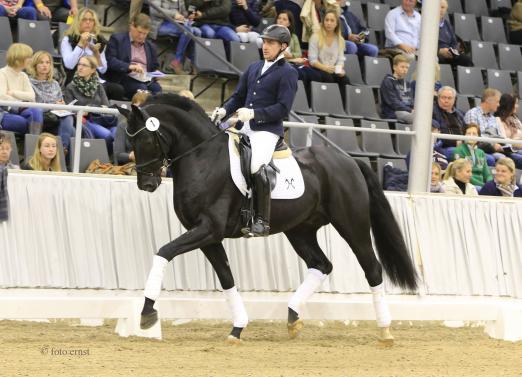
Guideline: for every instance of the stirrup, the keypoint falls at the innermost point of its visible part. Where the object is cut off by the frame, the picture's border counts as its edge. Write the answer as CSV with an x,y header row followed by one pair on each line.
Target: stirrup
x,y
260,228
247,232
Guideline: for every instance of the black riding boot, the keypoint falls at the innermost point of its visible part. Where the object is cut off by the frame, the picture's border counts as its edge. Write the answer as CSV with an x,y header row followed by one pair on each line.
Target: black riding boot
x,y
261,226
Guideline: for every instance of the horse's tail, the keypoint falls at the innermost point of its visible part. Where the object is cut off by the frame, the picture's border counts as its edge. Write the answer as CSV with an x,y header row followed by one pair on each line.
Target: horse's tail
x,y
389,241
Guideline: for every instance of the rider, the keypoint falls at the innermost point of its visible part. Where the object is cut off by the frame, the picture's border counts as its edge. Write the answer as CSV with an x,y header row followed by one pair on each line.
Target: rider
x,y
263,98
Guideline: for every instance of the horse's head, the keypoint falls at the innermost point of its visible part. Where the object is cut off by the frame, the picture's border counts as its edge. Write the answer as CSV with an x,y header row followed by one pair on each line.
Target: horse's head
x,y
149,146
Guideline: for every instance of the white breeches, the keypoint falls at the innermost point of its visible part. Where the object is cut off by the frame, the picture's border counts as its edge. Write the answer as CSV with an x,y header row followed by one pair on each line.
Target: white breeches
x,y
263,145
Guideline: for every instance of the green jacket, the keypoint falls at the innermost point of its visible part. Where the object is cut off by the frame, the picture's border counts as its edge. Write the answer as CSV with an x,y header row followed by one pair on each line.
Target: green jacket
x,y
480,170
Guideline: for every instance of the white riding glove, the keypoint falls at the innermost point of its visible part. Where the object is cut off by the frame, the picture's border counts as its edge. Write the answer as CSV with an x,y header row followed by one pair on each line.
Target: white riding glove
x,y
218,114
244,114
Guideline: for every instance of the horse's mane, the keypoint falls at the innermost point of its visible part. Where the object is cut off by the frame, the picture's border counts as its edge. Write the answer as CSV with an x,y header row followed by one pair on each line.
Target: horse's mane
x,y
180,102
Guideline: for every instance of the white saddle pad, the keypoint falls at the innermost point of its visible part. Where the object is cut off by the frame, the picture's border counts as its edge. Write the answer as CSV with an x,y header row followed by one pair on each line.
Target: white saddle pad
x,y
289,181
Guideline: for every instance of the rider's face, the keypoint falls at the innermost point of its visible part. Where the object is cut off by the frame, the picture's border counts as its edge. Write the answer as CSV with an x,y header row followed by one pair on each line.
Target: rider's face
x,y
271,49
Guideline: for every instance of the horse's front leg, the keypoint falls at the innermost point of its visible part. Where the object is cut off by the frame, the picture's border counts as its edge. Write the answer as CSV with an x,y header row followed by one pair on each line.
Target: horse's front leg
x,y
218,258
195,238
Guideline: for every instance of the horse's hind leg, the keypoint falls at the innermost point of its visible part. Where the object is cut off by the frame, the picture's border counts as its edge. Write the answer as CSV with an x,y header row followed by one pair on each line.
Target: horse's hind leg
x,y
304,241
218,258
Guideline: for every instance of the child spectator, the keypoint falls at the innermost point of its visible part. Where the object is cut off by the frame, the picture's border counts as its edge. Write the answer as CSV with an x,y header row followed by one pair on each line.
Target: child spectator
x,y
293,53
457,178
87,90
396,92
5,152
15,86
15,9
47,90
469,150
45,156
436,175
504,183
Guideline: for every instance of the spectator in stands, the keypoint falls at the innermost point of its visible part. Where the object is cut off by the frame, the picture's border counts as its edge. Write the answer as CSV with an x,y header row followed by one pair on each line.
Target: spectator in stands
x,y
212,17
354,33
56,10
449,118
448,50
457,178
295,7
15,9
245,16
489,125
15,86
402,29
5,152
45,156
130,56
507,114
436,175
396,92
87,90
293,53
326,53
504,183
122,147
162,27
47,90
480,173
515,23
438,84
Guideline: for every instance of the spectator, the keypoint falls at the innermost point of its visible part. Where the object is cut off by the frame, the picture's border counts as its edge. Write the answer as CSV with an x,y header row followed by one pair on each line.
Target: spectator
x,y
123,151
438,84
47,90
402,29
212,17
15,9
480,173
354,33
15,86
244,15
326,53
396,92
515,23
161,27
507,114
130,56
504,183
436,175
5,152
449,118
311,17
489,125
448,50
457,178
55,10
45,156
87,90
295,7
293,53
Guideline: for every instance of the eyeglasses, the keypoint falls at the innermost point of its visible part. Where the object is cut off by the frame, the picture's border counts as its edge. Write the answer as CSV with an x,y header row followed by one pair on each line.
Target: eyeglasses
x,y
84,65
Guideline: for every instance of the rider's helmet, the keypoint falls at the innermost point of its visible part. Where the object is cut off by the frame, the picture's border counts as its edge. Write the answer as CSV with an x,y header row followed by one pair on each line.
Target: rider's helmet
x,y
277,33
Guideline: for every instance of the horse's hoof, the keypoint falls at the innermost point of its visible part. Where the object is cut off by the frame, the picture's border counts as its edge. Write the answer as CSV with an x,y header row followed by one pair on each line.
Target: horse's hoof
x,y
295,328
385,337
148,320
231,339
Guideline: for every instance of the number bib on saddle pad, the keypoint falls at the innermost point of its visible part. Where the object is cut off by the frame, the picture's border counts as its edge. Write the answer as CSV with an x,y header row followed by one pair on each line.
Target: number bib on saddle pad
x,y
289,180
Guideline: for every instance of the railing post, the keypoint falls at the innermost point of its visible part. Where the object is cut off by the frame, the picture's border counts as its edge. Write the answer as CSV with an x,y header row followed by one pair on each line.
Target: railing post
x,y
78,142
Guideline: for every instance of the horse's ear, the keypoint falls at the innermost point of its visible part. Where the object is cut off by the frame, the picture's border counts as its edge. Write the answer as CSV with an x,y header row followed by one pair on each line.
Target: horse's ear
x,y
124,111
138,114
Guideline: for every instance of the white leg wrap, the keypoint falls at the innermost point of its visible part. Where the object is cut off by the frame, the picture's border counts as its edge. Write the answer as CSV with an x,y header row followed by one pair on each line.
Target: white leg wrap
x,y
235,303
310,284
153,285
382,311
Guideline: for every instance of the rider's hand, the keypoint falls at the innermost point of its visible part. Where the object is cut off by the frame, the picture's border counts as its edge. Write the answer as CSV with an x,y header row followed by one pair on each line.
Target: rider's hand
x,y
244,114
218,114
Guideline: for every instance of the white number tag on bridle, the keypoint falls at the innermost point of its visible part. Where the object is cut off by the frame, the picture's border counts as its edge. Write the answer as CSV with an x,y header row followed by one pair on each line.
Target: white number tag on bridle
x,y
152,124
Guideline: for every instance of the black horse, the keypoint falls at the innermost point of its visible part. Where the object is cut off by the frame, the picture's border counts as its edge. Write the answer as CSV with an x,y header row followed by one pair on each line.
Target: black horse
x,y
339,190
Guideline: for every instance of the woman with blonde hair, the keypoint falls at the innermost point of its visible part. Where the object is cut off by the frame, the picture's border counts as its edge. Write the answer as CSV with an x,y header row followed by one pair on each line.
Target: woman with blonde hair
x,y
47,90
504,183
45,156
15,86
457,178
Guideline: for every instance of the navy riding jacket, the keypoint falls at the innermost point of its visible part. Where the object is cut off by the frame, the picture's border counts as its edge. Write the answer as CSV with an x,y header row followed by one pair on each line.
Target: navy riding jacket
x,y
271,95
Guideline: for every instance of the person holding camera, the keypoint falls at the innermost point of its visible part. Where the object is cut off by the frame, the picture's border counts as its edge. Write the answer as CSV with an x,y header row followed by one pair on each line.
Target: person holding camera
x,y
448,50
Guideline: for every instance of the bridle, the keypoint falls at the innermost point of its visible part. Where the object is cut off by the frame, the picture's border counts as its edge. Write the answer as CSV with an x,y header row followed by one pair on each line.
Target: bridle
x,y
161,141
